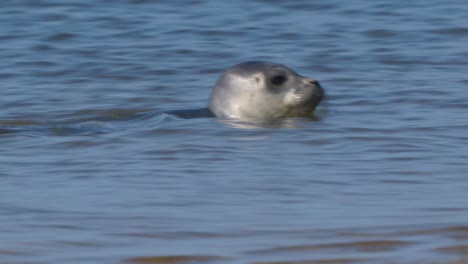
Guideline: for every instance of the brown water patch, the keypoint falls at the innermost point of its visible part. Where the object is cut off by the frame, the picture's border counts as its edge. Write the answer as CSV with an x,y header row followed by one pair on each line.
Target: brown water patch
x,y
179,235
457,232
172,259
459,250
317,261
457,229
17,122
364,246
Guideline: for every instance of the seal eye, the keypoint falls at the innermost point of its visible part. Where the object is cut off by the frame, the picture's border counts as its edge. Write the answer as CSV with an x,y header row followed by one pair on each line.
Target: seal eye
x,y
278,80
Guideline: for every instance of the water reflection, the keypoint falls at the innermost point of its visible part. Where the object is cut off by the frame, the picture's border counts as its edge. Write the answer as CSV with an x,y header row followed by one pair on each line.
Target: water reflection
x,y
275,123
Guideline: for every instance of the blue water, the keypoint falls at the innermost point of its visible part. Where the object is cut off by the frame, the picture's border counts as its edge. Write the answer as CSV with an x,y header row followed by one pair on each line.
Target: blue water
x,y
94,170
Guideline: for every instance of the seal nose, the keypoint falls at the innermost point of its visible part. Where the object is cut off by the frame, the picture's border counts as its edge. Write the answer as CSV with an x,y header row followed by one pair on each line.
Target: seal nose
x,y
320,90
314,82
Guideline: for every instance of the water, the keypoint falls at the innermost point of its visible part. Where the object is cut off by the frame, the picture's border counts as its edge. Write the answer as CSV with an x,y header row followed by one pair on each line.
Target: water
x,y
93,170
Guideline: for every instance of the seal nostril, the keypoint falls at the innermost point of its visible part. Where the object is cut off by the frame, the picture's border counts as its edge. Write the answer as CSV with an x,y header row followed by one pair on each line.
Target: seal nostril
x,y
314,82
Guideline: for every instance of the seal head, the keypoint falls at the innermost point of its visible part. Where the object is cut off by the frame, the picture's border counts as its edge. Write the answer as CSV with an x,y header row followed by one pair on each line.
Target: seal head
x,y
264,90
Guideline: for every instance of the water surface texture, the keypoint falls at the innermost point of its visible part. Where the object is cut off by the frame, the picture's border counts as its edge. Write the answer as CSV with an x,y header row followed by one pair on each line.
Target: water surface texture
x,y
93,169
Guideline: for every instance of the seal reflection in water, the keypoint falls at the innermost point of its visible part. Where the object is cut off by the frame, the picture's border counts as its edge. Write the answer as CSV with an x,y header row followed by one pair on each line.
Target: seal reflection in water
x,y
264,90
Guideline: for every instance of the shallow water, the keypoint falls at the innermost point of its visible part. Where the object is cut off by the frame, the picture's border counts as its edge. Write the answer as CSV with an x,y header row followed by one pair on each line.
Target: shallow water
x,y
94,170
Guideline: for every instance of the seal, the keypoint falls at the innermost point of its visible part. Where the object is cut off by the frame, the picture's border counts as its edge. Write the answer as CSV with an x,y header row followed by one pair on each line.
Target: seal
x,y
264,90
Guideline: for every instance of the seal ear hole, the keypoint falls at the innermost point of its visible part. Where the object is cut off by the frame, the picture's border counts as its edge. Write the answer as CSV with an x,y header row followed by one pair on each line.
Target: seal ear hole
x,y
278,80
257,79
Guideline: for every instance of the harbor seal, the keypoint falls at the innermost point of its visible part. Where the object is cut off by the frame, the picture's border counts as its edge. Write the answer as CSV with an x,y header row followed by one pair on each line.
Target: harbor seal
x,y
264,90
